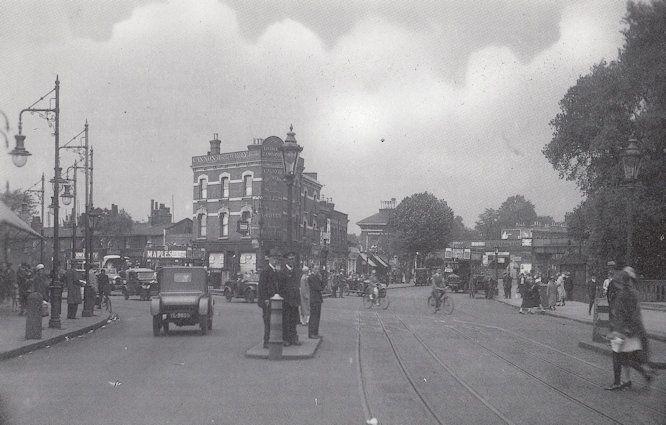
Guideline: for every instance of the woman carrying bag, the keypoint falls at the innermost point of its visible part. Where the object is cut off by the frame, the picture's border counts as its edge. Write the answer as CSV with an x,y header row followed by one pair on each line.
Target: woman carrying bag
x,y
628,337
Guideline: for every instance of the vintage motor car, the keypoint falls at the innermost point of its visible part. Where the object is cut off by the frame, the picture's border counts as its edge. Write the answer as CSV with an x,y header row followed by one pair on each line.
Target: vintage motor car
x,y
244,286
183,300
454,282
141,282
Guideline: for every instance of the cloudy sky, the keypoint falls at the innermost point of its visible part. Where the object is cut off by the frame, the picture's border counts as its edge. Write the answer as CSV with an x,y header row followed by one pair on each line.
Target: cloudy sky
x,y
461,92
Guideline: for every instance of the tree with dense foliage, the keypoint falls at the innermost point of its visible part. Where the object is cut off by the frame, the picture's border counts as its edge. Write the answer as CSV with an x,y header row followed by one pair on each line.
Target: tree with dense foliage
x,y
488,224
114,224
422,223
516,211
21,202
598,116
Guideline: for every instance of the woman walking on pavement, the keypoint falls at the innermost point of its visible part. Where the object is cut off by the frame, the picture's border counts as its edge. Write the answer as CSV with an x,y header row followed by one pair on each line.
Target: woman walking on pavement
x,y
561,292
305,296
551,290
628,336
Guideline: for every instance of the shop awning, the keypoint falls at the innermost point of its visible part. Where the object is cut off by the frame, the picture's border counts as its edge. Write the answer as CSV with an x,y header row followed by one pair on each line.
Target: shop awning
x,y
380,261
368,260
12,227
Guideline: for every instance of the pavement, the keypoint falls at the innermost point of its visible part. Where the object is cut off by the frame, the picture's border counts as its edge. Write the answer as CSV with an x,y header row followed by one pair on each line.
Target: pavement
x,y
12,330
653,319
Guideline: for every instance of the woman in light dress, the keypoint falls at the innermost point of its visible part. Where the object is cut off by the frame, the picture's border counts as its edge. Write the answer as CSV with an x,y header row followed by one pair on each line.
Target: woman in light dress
x,y
305,296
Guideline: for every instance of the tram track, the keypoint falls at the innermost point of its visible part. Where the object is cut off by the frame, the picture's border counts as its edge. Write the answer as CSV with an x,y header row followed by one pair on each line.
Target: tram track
x,y
550,348
412,381
553,383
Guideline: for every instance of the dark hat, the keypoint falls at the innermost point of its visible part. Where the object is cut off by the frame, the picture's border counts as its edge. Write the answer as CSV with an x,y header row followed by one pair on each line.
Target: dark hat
x,y
290,254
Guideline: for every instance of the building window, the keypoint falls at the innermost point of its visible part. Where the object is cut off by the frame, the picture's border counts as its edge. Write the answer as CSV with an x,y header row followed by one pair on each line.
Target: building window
x,y
305,199
247,185
224,181
203,188
202,225
224,224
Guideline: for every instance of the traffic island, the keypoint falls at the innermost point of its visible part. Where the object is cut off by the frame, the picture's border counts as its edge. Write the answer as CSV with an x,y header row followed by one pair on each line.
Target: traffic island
x,y
306,350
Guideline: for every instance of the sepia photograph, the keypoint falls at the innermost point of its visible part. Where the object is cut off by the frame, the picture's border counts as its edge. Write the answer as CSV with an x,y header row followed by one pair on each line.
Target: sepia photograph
x,y
361,212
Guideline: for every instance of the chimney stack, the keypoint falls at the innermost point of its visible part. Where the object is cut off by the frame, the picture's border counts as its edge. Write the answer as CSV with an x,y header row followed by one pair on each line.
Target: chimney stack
x,y
215,145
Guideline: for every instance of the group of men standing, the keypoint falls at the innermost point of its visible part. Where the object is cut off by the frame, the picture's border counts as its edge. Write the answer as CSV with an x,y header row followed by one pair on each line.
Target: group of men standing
x,y
282,275
18,284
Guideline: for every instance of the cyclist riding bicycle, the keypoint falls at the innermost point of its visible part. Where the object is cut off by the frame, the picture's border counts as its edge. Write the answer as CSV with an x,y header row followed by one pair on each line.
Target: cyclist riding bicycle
x,y
438,288
373,287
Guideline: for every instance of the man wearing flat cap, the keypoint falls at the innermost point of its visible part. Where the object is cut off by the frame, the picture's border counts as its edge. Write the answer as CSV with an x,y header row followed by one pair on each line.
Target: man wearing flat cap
x,y
269,285
290,291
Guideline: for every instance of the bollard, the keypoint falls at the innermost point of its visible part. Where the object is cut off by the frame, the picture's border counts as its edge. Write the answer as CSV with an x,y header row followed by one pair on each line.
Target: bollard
x,y
601,323
33,320
275,341
88,301
56,305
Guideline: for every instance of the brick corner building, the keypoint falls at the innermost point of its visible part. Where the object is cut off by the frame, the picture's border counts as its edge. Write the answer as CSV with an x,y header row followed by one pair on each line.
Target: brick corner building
x,y
240,209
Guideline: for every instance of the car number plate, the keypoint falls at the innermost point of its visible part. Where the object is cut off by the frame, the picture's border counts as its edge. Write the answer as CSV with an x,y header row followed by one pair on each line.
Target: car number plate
x,y
180,315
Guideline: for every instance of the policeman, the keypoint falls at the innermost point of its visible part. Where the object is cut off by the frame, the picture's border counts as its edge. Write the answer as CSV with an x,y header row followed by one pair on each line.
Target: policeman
x,y
269,285
290,291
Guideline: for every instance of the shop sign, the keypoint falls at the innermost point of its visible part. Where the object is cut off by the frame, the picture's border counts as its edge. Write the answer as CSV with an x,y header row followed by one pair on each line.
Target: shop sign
x,y
527,242
165,254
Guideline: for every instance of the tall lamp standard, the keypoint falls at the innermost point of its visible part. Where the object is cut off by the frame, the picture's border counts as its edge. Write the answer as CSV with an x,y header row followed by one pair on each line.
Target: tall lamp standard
x,y
19,158
631,164
290,151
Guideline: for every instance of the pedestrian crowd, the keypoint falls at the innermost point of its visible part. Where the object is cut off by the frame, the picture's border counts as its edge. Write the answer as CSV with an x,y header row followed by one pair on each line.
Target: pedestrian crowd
x,y
301,290
16,285
541,292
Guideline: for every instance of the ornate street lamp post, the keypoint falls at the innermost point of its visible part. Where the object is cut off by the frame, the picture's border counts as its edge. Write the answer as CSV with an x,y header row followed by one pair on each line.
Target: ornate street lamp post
x,y
631,164
20,157
290,151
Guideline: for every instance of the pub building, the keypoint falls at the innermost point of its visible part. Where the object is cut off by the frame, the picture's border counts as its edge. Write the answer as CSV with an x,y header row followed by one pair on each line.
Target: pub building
x,y
240,210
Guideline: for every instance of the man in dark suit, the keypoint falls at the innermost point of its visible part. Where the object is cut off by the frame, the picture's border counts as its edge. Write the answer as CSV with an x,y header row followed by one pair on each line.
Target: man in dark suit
x,y
316,286
269,285
290,291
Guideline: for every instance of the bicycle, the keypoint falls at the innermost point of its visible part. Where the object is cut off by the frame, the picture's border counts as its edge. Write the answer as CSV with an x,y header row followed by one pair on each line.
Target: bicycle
x,y
445,305
381,300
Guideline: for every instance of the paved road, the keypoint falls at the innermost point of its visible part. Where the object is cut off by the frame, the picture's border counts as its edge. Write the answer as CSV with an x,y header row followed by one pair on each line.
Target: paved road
x,y
484,364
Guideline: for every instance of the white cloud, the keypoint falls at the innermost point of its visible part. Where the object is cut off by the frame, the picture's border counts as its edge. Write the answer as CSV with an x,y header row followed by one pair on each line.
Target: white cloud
x,y
173,73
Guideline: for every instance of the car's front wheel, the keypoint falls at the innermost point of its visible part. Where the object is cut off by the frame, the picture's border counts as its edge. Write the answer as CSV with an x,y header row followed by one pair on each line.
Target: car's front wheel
x,y
203,323
157,325
228,294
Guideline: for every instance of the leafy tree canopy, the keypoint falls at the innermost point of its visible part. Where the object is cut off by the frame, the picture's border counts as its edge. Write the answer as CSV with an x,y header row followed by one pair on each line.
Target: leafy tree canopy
x,y
21,202
598,116
422,223
515,211
114,224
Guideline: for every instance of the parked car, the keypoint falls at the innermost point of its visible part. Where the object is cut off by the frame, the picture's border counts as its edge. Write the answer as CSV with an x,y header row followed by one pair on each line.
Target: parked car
x,y
245,286
183,300
454,282
141,282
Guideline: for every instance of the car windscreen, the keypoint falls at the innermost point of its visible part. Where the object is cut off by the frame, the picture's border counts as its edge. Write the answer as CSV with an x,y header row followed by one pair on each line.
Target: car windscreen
x,y
145,275
181,281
